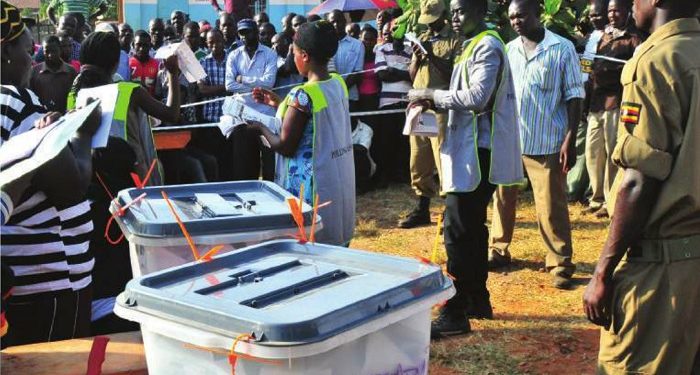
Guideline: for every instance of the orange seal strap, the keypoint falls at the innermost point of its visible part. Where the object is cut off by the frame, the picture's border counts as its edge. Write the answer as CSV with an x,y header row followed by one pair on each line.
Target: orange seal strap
x,y
298,218
312,235
111,218
195,252
233,356
190,242
137,180
97,355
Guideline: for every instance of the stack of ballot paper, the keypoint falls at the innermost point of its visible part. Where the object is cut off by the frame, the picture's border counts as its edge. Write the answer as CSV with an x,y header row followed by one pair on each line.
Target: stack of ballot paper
x,y
419,123
227,125
188,63
236,107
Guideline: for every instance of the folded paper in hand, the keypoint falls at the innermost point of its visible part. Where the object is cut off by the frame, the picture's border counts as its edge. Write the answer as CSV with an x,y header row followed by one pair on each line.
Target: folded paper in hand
x,y
423,124
107,95
227,125
188,63
235,107
411,37
28,151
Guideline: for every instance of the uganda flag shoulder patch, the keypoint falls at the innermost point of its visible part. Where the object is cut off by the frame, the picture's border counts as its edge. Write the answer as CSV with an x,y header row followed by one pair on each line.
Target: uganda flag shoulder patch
x,y
629,113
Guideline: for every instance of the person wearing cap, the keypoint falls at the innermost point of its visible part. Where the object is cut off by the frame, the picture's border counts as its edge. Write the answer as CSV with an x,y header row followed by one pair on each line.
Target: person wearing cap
x,y
431,70
50,300
314,144
480,149
248,66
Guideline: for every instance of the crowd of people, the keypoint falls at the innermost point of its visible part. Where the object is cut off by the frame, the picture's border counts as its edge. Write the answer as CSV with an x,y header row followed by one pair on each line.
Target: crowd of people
x,y
564,118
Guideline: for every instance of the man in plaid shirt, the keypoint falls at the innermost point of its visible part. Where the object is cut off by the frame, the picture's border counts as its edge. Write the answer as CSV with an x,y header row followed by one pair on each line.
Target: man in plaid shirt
x,y
213,86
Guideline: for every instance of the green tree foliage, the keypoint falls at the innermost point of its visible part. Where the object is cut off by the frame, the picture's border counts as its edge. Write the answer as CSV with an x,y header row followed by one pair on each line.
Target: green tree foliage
x,y
564,17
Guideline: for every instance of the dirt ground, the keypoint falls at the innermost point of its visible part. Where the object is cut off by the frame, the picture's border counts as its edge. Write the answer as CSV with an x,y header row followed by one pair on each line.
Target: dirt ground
x,y
537,329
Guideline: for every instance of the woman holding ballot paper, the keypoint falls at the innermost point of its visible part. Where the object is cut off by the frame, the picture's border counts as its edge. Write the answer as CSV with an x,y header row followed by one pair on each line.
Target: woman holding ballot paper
x,y
99,55
314,144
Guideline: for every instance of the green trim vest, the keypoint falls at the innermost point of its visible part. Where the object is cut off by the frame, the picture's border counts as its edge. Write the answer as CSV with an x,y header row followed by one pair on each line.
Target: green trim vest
x,y
332,157
459,150
134,127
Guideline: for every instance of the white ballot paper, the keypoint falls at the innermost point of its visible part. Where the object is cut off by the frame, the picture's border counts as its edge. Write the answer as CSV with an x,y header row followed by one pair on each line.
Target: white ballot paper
x,y
411,37
227,125
235,107
27,151
189,65
107,95
419,123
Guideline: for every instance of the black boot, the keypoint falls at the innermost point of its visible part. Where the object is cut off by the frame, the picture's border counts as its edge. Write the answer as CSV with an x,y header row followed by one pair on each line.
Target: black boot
x,y
419,216
449,323
479,308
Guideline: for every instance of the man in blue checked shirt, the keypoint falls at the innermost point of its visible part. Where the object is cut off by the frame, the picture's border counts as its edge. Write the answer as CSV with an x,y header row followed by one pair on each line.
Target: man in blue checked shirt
x,y
549,94
214,84
248,66
350,56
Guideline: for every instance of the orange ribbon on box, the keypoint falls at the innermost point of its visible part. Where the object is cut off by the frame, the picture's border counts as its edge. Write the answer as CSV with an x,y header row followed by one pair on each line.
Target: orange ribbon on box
x,y
195,252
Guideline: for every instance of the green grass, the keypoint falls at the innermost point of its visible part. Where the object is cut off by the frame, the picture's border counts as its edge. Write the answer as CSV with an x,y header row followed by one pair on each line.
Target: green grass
x,y
538,329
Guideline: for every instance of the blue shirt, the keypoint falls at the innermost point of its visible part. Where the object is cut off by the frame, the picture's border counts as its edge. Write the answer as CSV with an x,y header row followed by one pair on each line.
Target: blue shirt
x,y
349,58
123,69
258,71
216,76
544,82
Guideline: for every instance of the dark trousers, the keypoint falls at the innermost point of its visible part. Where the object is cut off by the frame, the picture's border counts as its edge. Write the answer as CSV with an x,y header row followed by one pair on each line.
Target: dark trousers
x,y
390,148
467,238
63,317
182,167
243,155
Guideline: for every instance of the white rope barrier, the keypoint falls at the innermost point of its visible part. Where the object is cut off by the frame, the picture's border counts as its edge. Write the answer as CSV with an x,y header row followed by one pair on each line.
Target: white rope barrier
x,y
273,89
601,57
166,128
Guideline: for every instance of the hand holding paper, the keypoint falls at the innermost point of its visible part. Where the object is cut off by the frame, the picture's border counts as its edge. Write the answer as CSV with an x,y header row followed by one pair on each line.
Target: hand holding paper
x,y
235,107
107,95
421,94
420,123
187,62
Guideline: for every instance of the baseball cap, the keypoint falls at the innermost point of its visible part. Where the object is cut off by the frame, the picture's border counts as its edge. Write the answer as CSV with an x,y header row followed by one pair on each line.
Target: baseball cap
x,y
246,24
431,11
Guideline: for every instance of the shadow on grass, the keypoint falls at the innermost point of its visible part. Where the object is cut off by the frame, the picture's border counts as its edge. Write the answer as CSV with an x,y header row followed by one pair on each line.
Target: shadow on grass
x,y
538,266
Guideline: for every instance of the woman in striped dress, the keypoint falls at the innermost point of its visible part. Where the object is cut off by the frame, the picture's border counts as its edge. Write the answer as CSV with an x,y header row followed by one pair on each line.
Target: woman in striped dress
x,y
44,240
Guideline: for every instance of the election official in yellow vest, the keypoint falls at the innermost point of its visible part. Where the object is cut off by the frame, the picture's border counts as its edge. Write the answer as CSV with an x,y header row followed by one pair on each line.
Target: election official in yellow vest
x,y
480,149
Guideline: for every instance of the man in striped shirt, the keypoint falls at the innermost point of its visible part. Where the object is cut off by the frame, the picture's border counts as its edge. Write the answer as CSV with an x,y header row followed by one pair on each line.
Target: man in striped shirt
x,y
549,93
